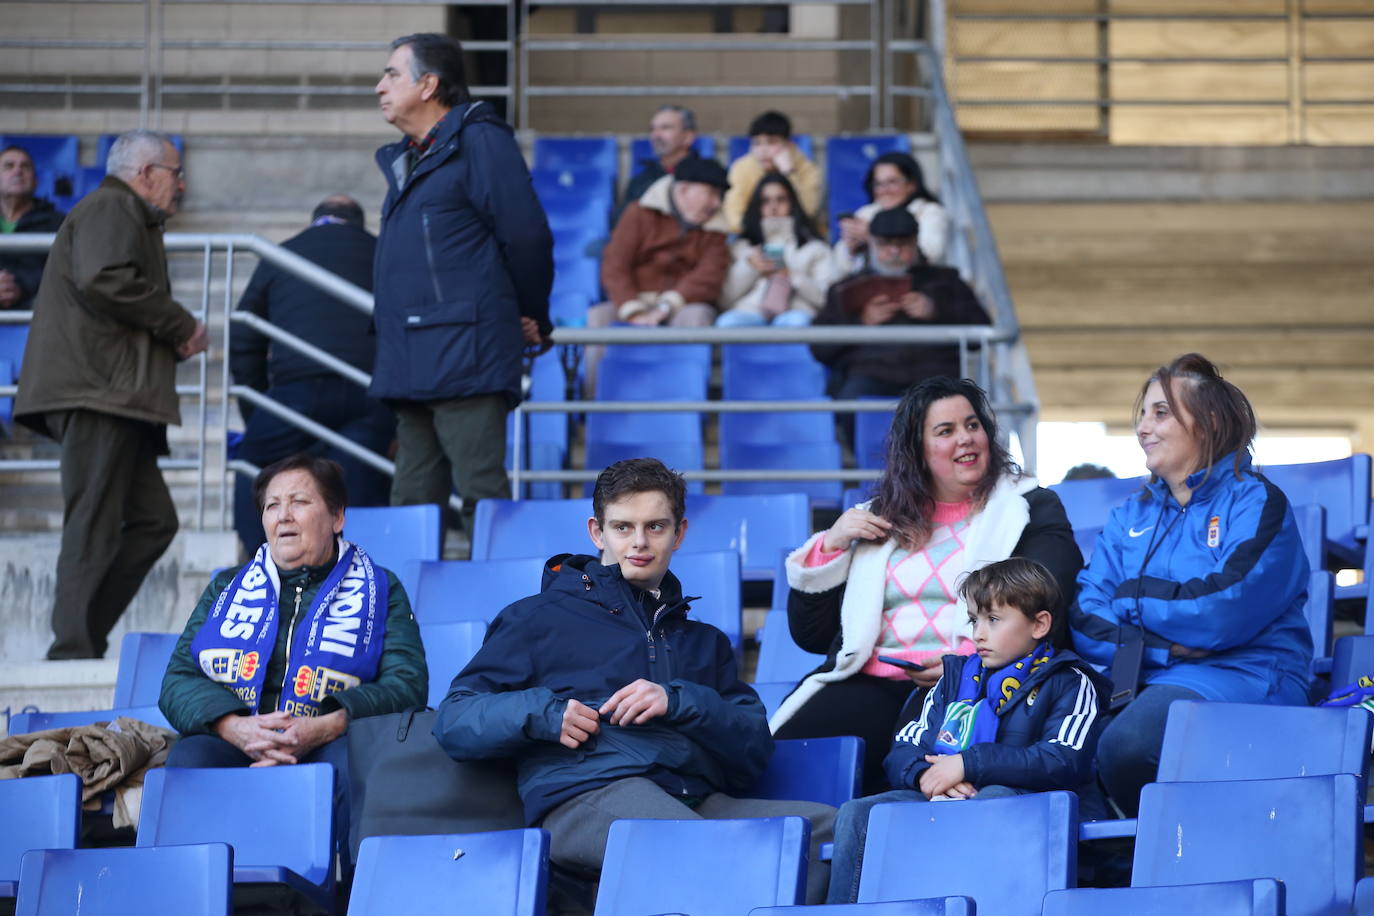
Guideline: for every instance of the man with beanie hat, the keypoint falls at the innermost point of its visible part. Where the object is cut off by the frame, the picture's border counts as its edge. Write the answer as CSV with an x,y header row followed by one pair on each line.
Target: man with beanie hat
x,y
898,288
667,258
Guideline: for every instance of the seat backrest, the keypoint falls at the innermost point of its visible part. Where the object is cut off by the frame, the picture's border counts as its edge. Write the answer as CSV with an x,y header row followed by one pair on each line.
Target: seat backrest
x,y
541,528
953,840
579,275
781,429
277,817
735,865
143,660
13,339
679,456
825,770
1229,741
781,659
643,428
55,157
1340,486
870,438
395,535
1089,502
930,906
798,456
191,880
715,576
641,149
40,812
1305,832
448,648
631,380
795,380
759,526
1352,659
1258,897
21,723
772,693
1320,609
500,873
453,590
598,153
854,495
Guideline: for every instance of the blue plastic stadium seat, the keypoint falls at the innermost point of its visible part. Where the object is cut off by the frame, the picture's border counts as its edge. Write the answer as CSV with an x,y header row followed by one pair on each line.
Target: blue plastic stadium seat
x,y
577,214
568,309
772,693
781,659
589,182
779,372
193,880
929,906
21,723
453,590
279,821
621,379
449,646
56,159
1257,897
1304,832
952,841
759,526
677,456
1341,487
802,455
870,439
641,150
581,276
13,339
855,495
642,428
739,146
824,770
781,429
847,160
7,377
1320,609
506,529
40,812
395,535
598,153
1352,659
736,865
715,577
143,661
1089,502
499,873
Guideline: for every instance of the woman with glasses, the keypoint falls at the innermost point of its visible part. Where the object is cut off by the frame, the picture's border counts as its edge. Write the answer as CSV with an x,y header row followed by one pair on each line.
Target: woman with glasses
x,y
894,180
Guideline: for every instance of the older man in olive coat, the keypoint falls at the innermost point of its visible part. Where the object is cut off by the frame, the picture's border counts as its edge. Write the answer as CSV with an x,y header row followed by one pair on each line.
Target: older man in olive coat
x,y
99,376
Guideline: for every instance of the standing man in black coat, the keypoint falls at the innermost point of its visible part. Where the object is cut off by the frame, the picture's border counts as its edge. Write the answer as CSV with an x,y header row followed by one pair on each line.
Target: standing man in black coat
x,y
464,266
337,241
20,211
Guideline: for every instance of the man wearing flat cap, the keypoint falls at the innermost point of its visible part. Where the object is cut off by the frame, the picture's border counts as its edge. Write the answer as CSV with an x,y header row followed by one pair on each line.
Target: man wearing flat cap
x,y
667,258
899,288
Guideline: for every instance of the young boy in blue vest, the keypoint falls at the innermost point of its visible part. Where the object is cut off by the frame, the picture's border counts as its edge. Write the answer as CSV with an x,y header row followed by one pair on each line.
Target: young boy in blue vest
x,y
1020,716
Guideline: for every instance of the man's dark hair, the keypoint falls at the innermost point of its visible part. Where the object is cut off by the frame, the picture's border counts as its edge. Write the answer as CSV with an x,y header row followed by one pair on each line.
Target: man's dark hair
x,y
639,475
16,147
339,207
772,123
1015,582
442,56
327,473
1088,471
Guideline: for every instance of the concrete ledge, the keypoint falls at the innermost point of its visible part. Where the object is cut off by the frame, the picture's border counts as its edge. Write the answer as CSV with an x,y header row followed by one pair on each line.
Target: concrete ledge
x,y
56,686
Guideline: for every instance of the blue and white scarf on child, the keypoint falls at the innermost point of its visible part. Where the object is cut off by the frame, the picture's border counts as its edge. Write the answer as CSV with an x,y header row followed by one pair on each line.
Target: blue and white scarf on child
x,y
972,718
337,644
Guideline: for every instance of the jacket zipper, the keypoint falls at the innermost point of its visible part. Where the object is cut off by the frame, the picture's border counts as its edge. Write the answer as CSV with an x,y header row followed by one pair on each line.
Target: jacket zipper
x,y
429,255
290,631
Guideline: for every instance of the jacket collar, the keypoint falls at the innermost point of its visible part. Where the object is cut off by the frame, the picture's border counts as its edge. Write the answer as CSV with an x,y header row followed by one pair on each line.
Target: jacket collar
x,y
151,216
659,199
1204,483
391,157
581,573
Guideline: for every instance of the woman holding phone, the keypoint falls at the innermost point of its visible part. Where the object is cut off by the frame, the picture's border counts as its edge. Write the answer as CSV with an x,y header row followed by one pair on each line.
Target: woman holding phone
x,y
781,267
883,580
894,180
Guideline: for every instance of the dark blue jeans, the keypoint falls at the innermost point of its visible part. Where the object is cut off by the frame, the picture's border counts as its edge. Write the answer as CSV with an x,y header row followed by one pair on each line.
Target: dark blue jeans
x,y
336,404
1128,751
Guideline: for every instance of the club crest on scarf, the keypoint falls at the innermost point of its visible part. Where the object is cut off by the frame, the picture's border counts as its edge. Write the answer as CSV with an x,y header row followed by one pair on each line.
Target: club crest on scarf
x,y
972,718
337,643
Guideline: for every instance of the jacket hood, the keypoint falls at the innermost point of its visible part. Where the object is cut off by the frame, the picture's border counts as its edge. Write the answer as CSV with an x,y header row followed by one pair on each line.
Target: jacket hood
x,y
657,198
584,573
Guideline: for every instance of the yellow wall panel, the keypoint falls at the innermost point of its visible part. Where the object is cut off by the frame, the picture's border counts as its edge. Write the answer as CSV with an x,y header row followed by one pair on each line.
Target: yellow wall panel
x,y
1194,7
1339,81
1024,39
1340,125
1199,38
960,7
1025,81
1338,6
1029,119
1199,125
1181,82
1338,37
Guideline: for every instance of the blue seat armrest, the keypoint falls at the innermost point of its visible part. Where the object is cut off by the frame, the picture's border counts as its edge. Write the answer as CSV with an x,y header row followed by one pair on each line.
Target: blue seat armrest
x,y
1103,830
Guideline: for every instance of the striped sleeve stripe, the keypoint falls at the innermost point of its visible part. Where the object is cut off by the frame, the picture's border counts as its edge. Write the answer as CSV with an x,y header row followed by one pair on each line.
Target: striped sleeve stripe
x,y
912,732
1074,730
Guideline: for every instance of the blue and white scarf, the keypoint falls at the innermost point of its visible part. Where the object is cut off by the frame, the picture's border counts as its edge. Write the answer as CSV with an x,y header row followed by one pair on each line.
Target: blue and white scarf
x,y
337,644
972,718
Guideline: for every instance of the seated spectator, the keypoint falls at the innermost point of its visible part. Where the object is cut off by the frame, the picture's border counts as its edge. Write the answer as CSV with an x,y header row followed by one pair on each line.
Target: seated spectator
x,y
667,257
880,582
900,288
613,701
1196,587
20,211
894,180
771,151
240,690
338,242
1088,471
781,268
672,131
1021,716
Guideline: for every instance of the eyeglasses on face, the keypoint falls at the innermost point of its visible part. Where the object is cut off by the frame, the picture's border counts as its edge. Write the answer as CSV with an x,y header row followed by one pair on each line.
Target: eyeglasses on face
x,y
178,172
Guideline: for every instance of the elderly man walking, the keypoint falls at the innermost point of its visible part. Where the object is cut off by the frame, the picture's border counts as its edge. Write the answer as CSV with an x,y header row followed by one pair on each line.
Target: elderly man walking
x,y
99,376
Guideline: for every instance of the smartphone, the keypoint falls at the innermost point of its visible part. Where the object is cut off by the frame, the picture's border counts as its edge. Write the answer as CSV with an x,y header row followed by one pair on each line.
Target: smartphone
x,y
774,253
902,663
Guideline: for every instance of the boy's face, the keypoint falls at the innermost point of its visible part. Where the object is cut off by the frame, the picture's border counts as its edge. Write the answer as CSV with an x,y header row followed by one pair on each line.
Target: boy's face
x,y
765,147
1003,635
639,535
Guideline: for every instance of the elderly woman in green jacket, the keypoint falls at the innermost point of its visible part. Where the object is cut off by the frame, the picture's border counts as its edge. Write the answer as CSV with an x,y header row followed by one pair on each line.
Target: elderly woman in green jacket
x,y
282,652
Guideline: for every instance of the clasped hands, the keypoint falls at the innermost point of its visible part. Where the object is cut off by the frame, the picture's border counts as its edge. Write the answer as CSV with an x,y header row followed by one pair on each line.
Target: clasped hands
x,y
634,704
944,779
278,737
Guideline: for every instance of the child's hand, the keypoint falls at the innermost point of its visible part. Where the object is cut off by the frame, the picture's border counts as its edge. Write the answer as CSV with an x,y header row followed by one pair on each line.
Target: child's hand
x,y
960,792
946,772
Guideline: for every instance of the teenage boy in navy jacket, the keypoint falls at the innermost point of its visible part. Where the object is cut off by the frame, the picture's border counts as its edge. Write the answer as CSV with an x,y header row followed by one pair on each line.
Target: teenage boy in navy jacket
x,y
1020,716
610,699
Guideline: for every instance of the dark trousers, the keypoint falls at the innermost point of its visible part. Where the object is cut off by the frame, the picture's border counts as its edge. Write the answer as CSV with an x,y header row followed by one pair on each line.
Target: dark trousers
x,y
338,405
458,444
860,705
117,519
1128,751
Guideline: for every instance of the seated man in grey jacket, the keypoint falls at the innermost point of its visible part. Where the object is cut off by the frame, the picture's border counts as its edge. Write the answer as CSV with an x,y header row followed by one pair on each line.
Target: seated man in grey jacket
x,y
612,702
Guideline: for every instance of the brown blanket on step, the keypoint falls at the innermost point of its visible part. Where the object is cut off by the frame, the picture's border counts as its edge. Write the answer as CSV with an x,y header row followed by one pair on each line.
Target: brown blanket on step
x,y
107,756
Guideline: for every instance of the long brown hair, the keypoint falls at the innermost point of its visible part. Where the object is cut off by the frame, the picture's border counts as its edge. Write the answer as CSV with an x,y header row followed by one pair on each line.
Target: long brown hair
x,y
1223,420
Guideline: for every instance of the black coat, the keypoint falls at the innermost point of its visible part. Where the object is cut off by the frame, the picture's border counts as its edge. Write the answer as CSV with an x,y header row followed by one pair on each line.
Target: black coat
x,y
27,266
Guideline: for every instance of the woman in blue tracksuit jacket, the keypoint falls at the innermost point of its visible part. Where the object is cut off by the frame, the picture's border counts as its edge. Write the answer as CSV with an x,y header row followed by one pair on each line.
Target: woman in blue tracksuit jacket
x,y
1202,576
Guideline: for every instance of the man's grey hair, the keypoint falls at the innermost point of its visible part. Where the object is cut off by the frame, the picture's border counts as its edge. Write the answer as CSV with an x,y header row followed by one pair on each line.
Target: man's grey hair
x,y
134,149
689,118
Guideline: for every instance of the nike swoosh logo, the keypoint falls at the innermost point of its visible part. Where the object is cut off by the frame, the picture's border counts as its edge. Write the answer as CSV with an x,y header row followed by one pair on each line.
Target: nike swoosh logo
x,y
1135,534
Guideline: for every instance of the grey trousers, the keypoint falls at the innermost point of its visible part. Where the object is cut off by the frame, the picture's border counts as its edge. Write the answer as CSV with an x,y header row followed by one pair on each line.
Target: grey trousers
x,y
458,444
117,519
578,827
